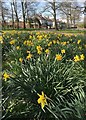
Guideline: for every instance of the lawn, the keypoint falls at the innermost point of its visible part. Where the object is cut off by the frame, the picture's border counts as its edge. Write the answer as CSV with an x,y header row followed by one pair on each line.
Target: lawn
x,y
44,75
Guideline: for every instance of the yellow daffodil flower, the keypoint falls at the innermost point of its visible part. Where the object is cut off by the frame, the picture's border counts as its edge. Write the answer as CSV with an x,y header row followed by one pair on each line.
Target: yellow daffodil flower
x,y
1,40
25,42
58,57
47,51
42,100
82,57
31,37
76,58
63,51
29,56
54,41
49,44
12,42
78,42
39,49
6,76
63,43
29,43
20,60
0,37
18,47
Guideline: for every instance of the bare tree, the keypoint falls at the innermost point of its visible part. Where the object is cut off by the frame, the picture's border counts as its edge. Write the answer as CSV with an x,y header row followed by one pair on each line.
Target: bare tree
x,y
24,7
4,13
32,12
51,7
14,3
28,10
71,10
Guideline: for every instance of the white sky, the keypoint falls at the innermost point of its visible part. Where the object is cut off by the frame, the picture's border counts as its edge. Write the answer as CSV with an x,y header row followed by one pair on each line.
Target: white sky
x,y
81,0
48,0
48,14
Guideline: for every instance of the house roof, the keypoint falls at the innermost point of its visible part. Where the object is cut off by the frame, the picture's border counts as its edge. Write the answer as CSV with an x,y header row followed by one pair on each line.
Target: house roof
x,y
40,17
48,19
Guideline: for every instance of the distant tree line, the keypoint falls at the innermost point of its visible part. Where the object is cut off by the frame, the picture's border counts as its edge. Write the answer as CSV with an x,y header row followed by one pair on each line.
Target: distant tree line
x,y
16,10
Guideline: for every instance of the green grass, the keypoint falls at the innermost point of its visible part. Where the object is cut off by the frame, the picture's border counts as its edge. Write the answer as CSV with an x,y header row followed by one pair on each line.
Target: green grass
x,y
51,30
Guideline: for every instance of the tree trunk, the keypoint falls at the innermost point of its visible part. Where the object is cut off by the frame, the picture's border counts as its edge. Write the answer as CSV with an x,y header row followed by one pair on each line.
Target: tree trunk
x,y
55,21
2,14
84,20
17,19
23,12
85,15
68,21
74,22
12,16
54,10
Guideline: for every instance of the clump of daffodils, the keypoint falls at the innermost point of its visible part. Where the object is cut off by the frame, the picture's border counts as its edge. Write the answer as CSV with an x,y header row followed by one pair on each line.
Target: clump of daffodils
x,y
79,58
49,44
28,43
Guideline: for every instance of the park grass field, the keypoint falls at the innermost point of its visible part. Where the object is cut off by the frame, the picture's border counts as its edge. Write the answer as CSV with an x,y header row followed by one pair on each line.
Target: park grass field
x,y
44,74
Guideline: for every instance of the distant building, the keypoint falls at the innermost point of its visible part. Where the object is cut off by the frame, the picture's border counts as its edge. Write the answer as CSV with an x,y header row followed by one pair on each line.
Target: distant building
x,y
37,21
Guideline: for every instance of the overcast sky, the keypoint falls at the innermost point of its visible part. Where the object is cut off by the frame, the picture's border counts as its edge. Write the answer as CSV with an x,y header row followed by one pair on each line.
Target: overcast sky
x,y
81,0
